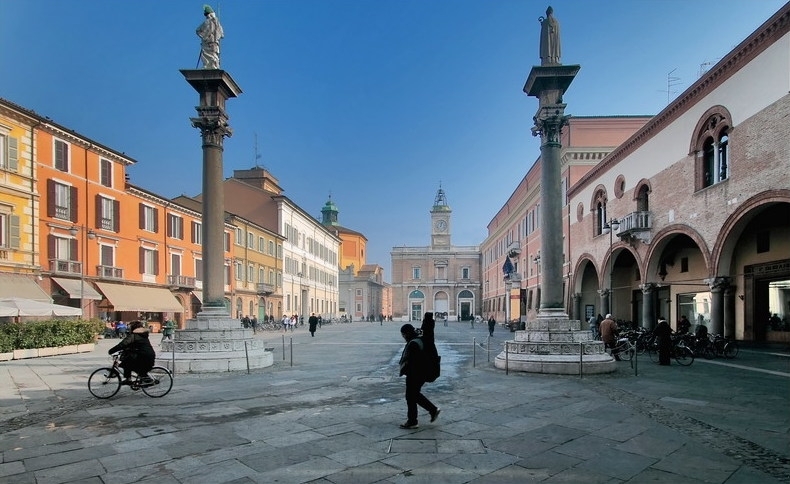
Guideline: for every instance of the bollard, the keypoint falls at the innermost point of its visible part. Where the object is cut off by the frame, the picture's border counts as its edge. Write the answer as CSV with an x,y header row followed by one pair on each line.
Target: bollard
x,y
283,347
173,357
474,352
581,359
292,352
247,356
636,363
507,348
488,349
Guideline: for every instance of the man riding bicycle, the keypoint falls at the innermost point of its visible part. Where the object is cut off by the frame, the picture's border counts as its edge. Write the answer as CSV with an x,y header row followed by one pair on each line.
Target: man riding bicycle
x,y
137,354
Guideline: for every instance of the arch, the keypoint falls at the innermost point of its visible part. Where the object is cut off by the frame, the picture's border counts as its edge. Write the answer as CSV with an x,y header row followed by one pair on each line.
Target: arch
x,y
416,294
465,294
598,209
583,260
662,239
718,113
732,228
710,147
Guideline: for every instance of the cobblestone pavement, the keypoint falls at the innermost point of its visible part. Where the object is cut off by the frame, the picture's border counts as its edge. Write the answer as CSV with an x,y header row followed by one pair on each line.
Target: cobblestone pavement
x,y
332,417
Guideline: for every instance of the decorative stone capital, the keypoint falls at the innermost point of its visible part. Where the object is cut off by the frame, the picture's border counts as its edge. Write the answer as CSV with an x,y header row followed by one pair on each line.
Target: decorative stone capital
x,y
648,287
718,284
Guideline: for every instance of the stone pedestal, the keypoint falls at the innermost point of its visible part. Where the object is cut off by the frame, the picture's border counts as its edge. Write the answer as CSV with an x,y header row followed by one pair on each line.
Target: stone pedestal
x,y
557,346
213,342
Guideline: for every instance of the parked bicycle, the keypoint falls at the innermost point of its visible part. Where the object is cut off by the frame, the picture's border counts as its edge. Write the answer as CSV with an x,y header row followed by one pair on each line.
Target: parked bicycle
x,y
106,382
719,346
679,350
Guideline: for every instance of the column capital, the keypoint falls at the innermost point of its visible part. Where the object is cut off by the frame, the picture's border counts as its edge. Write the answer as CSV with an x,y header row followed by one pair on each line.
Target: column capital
x,y
718,283
603,292
647,288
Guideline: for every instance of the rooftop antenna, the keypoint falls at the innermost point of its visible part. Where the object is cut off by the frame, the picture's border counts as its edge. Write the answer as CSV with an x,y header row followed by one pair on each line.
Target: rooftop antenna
x,y
705,66
672,81
257,153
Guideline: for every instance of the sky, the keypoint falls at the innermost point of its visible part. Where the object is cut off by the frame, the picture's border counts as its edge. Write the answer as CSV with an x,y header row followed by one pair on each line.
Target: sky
x,y
372,102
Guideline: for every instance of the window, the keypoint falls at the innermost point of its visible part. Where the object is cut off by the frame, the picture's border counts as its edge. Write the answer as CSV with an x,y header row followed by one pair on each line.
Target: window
x,y
106,172
107,213
711,146
227,241
465,273
250,273
9,231
261,275
239,270
197,233
261,245
271,247
415,273
175,226
107,261
149,261
149,218
9,152
684,264
61,150
62,201
199,270
250,240
175,264
239,236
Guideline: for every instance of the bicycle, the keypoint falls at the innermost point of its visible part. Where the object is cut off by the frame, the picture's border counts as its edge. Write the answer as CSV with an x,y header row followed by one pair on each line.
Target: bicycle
x,y
682,354
624,348
106,382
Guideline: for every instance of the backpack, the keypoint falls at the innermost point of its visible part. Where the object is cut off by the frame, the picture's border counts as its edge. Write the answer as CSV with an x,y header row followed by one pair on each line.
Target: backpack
x,y
431,361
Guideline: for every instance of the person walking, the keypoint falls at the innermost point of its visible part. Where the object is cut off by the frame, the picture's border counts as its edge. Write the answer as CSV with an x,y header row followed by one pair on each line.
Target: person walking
x,y
167,331
608,330
491,325
412,366
312,322
594,327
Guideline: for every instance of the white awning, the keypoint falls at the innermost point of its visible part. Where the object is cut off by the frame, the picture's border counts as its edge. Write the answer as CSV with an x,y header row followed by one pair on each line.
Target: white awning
x,y
30,307
22,286
74,287
139,298
198,295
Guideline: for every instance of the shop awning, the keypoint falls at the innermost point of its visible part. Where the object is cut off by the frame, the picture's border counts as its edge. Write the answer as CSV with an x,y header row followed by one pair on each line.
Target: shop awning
x,y
74,287
198,295
138,298
17,285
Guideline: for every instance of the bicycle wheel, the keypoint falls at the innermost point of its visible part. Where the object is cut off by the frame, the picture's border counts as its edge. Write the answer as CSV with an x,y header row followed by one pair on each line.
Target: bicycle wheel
x,y
709,352
163,382
683,355
731,349
104,383
625,351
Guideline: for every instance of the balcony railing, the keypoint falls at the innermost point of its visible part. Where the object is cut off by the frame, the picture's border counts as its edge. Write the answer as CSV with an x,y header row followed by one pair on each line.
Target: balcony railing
x,y
635,222
109,272
264,288
181,281
60,266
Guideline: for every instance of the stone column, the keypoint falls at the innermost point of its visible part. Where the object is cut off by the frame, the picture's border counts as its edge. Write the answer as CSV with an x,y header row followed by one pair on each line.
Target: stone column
x,y
648,311
717,285
604,297
576,306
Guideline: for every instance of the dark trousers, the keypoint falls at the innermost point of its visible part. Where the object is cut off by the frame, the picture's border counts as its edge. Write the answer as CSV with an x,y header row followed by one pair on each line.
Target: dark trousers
x,y
415,397
137,364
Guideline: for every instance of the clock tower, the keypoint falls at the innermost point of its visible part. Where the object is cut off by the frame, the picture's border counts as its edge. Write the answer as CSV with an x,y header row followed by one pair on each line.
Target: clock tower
x,y
440,221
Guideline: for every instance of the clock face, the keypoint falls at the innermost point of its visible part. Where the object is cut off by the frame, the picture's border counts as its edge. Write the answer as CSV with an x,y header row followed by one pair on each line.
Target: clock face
x,y
441,225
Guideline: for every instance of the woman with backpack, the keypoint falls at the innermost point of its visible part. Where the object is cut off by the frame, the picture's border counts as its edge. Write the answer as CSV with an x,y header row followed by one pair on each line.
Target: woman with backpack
x,y
412,365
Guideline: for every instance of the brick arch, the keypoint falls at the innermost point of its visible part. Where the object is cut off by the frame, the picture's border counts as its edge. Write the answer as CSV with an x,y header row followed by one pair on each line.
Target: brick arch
x,y
701,130
638,187
618,247
731,229
578,270
596,196
660,241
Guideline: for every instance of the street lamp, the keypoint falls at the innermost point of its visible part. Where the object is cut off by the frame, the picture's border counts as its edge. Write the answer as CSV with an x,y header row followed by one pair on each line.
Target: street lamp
x,y
610,228
90,234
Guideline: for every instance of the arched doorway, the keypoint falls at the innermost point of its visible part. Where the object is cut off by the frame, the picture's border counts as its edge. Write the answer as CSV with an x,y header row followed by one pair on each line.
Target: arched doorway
x,y
416,303
441,304
466,305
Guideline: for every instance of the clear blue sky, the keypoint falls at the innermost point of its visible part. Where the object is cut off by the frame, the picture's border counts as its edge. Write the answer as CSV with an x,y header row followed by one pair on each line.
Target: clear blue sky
x,y
373,101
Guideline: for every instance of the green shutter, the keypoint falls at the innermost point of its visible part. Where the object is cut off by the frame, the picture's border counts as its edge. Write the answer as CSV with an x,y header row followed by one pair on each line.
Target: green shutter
x,y
13,153
13,232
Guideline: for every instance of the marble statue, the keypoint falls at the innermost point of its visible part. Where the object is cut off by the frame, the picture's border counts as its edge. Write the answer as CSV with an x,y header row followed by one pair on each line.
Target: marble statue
x,y
549,39
210,33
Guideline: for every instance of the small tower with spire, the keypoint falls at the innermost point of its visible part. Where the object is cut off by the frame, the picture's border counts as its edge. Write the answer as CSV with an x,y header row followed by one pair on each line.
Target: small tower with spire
x,y
329,213
440,221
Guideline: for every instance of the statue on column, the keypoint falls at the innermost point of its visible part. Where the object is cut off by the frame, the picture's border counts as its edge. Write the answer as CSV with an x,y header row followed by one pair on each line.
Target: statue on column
x,y
549,39
210,33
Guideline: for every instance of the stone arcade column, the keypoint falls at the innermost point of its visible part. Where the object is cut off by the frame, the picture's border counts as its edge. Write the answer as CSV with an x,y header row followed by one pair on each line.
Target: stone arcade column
x,y
213,342
648,311
552,342
717,287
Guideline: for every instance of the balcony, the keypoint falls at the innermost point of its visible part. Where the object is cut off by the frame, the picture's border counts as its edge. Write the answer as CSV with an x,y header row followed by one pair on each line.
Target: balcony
x,y
109,272
514,249
60,266
181,281
264,288
636,225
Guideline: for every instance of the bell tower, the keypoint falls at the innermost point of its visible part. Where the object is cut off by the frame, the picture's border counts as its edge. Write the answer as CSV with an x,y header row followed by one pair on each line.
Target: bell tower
x,y
440,221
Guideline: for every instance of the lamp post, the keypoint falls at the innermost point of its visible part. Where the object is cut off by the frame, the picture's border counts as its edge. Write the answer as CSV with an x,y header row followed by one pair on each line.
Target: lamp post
x,y
299,302
610,228
536,260
331,308
87,234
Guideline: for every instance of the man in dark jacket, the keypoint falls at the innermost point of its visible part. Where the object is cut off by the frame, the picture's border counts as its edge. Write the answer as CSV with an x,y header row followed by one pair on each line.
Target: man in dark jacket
x,y
412,363
312,321
137,354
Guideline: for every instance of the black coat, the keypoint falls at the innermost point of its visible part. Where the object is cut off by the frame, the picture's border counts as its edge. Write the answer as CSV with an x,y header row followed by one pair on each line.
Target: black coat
x,y
136,346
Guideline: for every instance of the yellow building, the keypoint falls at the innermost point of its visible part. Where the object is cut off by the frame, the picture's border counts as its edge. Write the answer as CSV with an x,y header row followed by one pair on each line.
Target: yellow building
x,y
353,245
